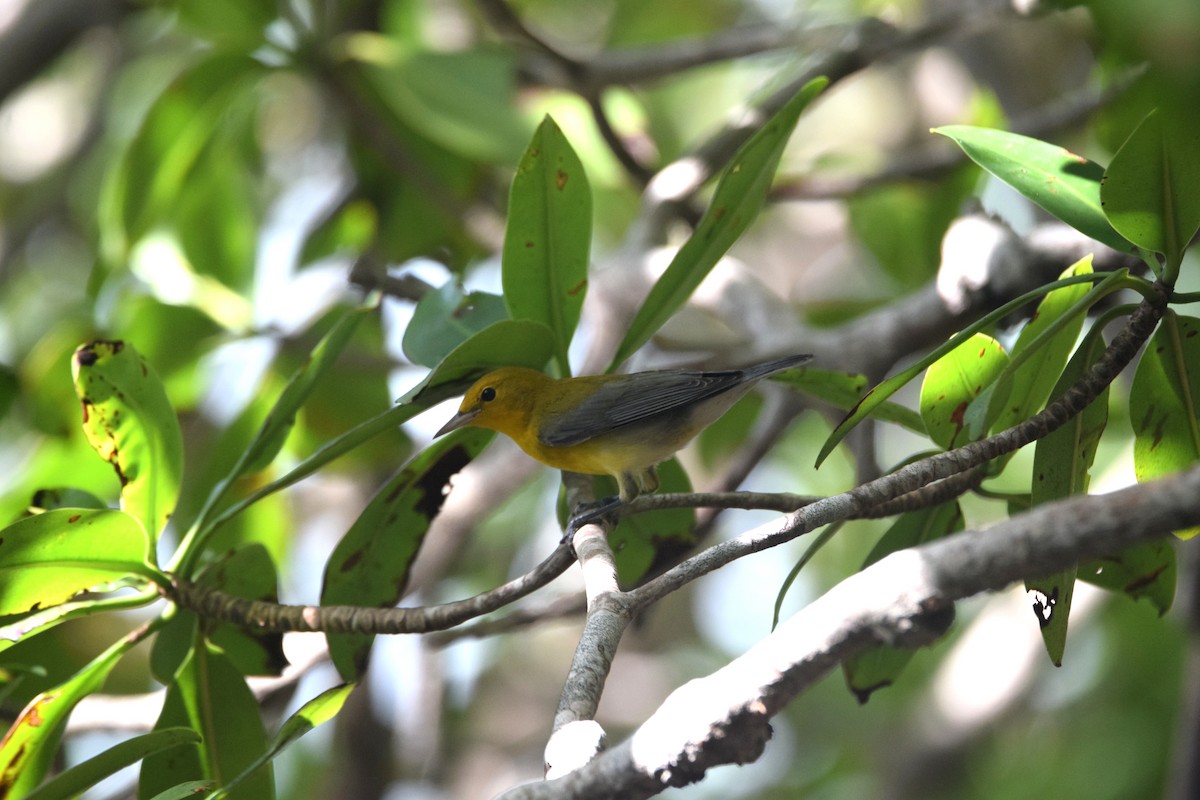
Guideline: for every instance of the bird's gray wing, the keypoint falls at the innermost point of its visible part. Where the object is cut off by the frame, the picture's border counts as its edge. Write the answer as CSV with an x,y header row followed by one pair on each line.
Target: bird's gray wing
x,y
636,397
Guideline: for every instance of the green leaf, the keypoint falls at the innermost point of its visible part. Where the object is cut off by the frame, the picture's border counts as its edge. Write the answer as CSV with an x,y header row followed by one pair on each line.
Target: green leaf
x,y
28,748
65,497
1040,353
887,388
879,665
548,239
1146,570
129,422
167,150
845,390
188,790
317,711
210,697
1063,183
23,626
1149,190
82,776
508,343
49,558
465,101
249,572
273,433
233,23
953,382
445,318
1061,464
740,193
279,423
1164,402
369,566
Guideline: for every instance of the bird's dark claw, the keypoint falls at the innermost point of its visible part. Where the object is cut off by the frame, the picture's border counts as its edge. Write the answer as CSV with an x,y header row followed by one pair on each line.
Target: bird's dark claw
x,y
588,513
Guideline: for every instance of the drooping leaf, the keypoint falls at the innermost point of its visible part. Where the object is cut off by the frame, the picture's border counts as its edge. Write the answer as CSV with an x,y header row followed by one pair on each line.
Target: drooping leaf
x,y
1061,464
369,566
953,382
249,572
49,558
129,422
315,712
740,193
210,697
28,748
547,243
1164,402
1063,183
879,666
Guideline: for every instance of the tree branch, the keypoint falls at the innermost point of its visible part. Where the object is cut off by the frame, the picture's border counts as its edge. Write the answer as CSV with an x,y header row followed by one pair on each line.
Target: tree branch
x,y
906,599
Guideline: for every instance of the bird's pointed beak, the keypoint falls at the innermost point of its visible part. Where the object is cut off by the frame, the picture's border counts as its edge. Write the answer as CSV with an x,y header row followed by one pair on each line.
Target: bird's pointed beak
x,y
459,420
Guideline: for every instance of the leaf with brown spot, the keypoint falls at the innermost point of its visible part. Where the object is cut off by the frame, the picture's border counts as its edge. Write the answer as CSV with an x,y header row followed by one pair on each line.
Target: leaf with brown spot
x,y
369,566
129,422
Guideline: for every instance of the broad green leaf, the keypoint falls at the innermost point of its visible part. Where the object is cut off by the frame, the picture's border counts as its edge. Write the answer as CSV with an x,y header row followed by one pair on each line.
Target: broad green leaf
x,y
369,566
1164,402
547,243
317,711
878,395
464,100
210,697
129,422
445,318
28,748
953,382
1146,570
879,665
1149,190
167,150
1061,464
1063,183
845,390
49,558
83,776
1040,353
235,24
740,193
246,572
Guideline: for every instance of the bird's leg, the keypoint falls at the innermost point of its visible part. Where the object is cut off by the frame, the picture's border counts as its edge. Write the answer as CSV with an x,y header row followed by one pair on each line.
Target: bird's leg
x,y
588,513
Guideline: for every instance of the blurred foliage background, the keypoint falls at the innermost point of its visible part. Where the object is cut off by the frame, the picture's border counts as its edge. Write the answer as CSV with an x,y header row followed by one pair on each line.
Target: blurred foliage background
x,y
213,179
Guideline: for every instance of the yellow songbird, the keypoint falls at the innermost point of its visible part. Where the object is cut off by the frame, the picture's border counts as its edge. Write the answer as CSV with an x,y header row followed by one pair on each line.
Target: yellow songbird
x,y
619,425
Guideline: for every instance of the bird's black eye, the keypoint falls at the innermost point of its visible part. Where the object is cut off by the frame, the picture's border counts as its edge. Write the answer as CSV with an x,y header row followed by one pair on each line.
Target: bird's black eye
x,y
487,395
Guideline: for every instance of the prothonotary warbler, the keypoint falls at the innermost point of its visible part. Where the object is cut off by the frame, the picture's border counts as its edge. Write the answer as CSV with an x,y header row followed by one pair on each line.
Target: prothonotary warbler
x,y
619,425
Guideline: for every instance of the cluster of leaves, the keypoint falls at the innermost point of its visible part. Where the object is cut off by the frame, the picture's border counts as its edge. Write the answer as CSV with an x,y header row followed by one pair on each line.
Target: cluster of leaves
x,y
73,557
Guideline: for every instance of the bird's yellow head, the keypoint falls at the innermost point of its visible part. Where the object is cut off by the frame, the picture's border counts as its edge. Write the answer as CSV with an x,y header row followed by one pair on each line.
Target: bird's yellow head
x,y
502,400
